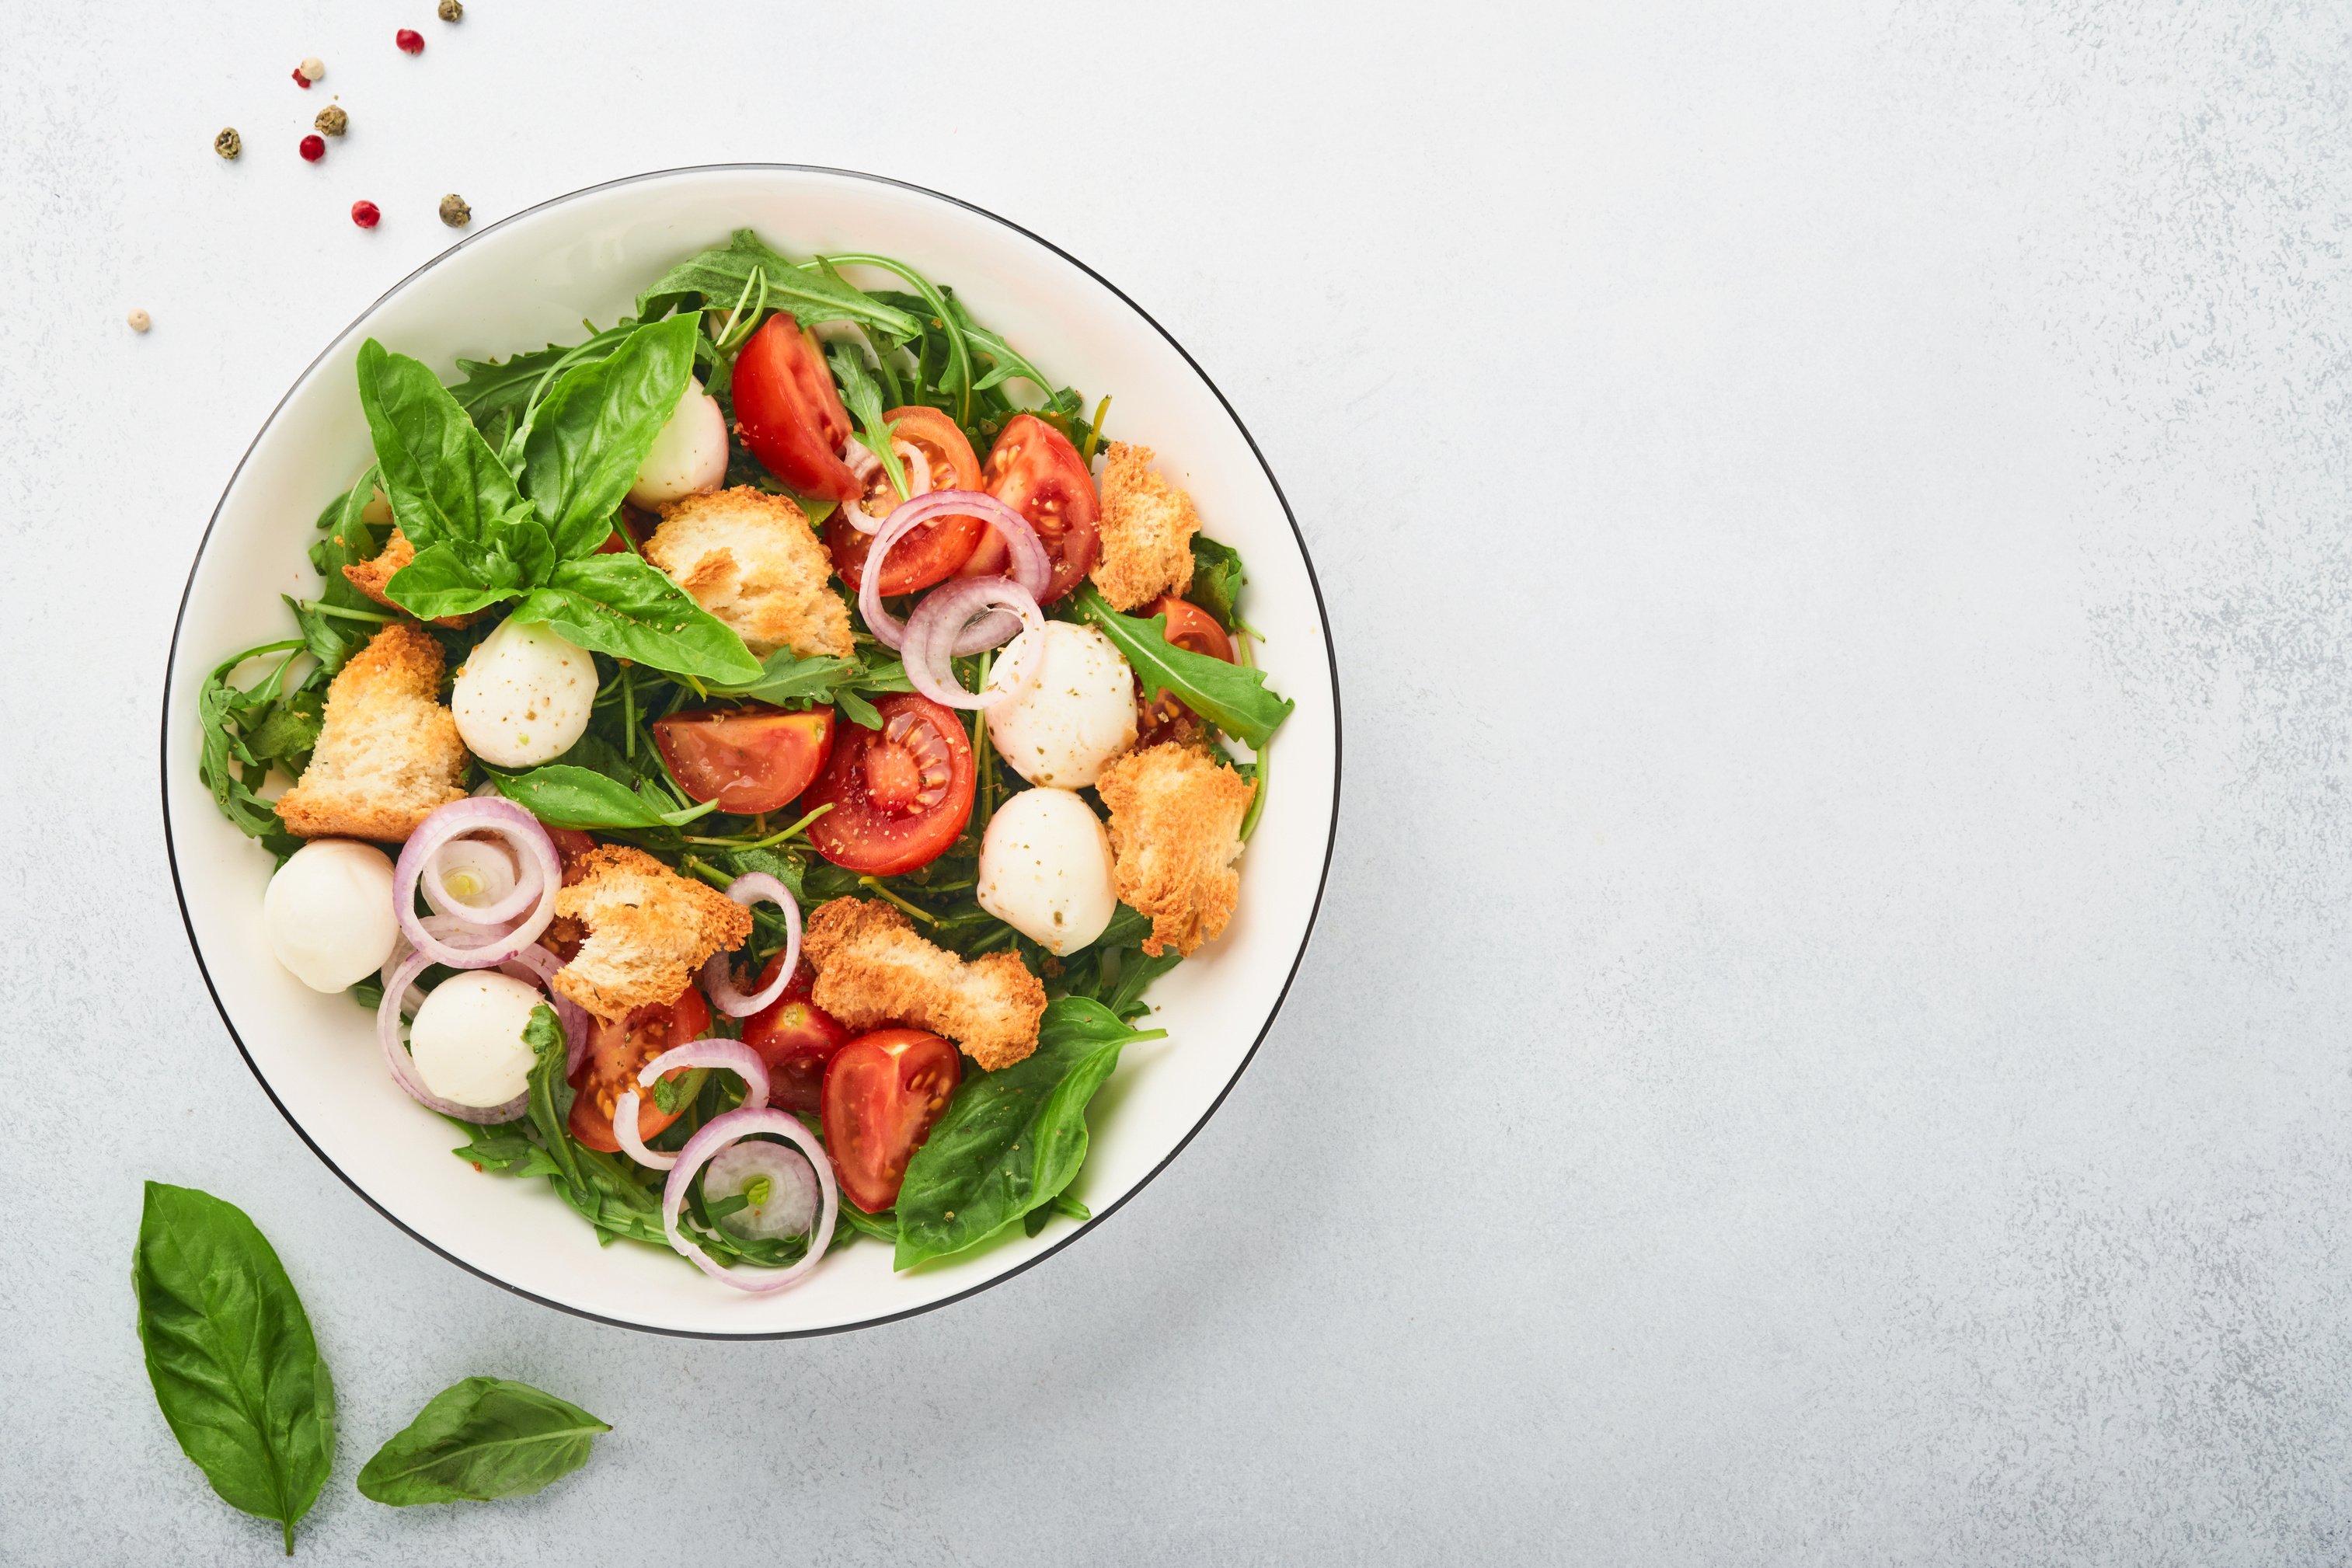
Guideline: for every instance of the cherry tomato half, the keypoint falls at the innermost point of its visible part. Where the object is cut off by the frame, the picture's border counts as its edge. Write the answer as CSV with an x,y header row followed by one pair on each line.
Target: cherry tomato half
x,y
796,1039
899,794
1034,469
1194,630
789,412
748,760
933,552
618,1052
882,1096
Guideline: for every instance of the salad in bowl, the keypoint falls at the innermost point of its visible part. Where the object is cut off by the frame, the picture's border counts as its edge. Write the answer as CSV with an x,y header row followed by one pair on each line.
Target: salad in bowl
x,y
756,763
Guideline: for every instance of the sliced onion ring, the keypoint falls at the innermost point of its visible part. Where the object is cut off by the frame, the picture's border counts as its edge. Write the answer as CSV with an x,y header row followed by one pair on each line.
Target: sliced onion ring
x,y
719,973
942,625
490,859
404,1066
733,1055
533,965
716,1134
866,465
535,861
1032,567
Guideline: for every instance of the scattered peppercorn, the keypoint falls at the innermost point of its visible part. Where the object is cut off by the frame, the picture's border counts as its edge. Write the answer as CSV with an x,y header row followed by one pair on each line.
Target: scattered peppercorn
x,y
312,70
333,120
301,80
140,322
367,214
451,11
455,212
313,148
410,40
228,144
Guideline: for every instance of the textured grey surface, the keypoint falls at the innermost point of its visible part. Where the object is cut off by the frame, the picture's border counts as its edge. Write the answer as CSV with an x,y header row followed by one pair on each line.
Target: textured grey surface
x,y
1826,1039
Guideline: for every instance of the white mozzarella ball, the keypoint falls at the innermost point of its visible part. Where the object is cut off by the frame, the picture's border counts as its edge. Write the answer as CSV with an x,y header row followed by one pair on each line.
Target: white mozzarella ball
x,y
1045,869
468,1040
689,456
329,913
523,696
1075,717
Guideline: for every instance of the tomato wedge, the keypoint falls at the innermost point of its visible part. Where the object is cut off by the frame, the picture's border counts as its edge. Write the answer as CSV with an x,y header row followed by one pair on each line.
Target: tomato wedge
x,y
796,1039
617,1053
1034,469
899,794
1194,630
933,552
788,414
748,760
883,1094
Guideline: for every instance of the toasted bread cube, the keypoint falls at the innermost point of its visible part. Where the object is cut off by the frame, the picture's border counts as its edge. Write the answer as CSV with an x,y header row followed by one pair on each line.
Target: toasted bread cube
x,y
1175,832
388,752
872,969
649,929
752,561
1147,528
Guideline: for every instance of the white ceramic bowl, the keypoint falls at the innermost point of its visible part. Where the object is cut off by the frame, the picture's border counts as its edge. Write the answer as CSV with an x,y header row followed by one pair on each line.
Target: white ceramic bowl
x,y
529,281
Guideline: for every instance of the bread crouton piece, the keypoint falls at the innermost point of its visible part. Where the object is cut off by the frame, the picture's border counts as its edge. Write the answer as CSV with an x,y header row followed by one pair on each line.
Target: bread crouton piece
x,y
388,752
1147,526
1175,831
872,969
370,577
752,560
649,929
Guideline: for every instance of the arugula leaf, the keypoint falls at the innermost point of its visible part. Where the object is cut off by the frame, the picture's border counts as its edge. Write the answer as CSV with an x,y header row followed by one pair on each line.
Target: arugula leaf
x,y
621,606
1217,579
549,1093
228,760
788,680
444,483
718,277
562,796
1012,1139
590,436
864,398
1137,970
480,1439
1232,696
494,391
231,1356
883,1226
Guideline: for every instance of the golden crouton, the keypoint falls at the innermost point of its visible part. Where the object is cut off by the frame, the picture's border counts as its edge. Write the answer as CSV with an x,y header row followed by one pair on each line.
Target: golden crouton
x,y
1147,532
388,752
649,929
872,969
752,560
1175,831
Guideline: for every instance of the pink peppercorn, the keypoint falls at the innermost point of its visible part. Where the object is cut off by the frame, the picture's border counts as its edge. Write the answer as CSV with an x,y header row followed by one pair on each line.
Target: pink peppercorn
x,y
301,80
410,40
314,149
367,214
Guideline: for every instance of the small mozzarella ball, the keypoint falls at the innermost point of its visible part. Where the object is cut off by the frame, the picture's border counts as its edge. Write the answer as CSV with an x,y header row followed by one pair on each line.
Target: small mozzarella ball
x,y
1075,717
330,913
468,1040
689,456
1045,869
523,696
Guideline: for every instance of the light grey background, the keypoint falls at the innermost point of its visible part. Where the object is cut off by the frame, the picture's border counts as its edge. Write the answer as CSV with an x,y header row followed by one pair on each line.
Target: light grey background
x,y
1826,1038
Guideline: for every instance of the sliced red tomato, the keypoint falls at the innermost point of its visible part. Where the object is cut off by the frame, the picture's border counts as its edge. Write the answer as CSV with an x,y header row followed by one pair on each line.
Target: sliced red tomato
x,y
788,414
933,552
796,1039
1034,469
899,794
617,1053
750,759
883,1094
1195,631
570,845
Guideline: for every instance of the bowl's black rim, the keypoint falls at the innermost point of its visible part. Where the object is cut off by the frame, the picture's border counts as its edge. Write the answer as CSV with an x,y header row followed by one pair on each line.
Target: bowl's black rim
x,y
1321,883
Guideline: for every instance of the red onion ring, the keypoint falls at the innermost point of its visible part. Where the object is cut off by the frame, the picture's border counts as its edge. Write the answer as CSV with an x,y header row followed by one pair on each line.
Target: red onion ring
x,y
866,465
510,905
961,612
718,974
533,850
716,1134
404,1066
1032,567
733,1055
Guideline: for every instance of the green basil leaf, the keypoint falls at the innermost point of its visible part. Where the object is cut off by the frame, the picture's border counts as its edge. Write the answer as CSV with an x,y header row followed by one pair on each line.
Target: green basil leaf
x,y
718,277
564,797
788,680
1012,1139
230,1354
550,1091
1232,696
444,483
440,582
1217,579
484,1438
621,606
494,391
589,438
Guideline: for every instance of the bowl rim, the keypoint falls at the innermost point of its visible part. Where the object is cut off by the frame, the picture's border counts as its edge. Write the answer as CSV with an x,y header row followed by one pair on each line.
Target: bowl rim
x,y
1315,908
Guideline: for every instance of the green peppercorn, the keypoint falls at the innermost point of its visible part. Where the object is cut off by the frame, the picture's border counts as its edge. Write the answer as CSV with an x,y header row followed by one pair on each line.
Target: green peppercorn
x,y
332,120
451,10
455,212
228,144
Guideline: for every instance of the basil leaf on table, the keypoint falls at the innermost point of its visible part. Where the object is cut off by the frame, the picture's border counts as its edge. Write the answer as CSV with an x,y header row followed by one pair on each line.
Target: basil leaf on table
x,y
1012,1139
479,1440
1232,696
590,436
717,278
230,1354
621,605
